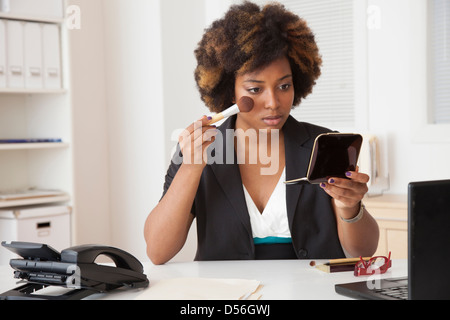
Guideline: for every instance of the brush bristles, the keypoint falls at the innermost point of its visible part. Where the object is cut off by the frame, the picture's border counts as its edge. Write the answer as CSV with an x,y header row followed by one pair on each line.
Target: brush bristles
x,y
245,104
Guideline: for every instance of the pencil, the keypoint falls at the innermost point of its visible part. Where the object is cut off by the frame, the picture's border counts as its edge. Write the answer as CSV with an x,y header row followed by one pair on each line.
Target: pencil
x,y
338,265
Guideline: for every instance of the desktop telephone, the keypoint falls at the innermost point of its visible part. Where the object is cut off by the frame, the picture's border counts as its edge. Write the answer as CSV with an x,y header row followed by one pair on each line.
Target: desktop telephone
x,y
73,268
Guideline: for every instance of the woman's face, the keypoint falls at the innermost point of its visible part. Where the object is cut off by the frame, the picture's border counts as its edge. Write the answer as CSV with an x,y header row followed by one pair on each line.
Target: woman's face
x,y
272,90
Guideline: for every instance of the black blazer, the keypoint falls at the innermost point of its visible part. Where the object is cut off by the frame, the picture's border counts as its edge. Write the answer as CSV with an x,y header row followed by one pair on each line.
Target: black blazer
x,y
223,224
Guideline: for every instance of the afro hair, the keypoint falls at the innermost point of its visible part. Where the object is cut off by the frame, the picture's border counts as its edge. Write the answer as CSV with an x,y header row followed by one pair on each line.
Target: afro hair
x,y
249,38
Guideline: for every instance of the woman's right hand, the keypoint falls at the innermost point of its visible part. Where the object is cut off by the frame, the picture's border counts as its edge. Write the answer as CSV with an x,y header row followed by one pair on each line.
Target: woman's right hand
x,y
194,141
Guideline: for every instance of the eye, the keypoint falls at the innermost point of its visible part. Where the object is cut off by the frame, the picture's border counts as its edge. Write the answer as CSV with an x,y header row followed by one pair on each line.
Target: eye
x,y
285,86
254,90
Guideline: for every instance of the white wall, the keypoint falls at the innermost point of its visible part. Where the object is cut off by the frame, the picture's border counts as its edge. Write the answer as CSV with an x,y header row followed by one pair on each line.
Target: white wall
x,y
182,25
118,120
398,89
90,127
135,116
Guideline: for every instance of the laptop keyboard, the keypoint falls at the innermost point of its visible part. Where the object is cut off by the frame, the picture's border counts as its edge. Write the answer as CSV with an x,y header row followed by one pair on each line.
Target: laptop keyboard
x,y
400,292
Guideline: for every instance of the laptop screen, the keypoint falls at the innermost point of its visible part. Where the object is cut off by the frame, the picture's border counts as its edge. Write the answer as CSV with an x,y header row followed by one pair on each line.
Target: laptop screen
x,y
429,239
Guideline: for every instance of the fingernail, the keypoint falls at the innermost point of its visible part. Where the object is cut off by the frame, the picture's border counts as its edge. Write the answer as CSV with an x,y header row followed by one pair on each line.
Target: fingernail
x,y
348,174
331,181
209,118
322,185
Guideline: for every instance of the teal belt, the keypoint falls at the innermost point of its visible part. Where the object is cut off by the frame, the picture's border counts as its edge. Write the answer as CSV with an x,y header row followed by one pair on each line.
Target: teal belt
x,y
271,240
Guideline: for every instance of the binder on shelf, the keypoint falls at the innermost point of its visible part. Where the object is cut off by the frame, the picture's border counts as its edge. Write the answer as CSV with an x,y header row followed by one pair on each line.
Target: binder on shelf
x,y
33,55
15,50
42,8
52,56
2,54
39,140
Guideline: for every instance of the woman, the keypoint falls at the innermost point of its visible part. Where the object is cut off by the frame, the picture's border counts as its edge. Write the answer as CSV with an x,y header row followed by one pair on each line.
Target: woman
x,y
269,55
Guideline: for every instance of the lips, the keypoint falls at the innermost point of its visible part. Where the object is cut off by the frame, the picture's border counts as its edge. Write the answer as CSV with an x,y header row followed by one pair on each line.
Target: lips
x,y
272,120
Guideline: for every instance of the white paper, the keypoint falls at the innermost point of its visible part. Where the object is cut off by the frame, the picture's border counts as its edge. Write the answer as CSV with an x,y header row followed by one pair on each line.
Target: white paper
x,y
201,289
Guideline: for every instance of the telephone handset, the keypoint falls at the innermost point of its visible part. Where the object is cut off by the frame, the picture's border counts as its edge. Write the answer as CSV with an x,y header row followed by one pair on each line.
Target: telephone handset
x,y
88,254
74,268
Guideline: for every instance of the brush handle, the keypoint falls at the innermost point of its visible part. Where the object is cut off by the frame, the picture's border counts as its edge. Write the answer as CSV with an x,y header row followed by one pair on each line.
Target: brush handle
x,y
225,114
216,118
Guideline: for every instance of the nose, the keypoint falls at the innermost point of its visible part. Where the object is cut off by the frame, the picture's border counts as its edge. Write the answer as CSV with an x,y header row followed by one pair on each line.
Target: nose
x,y
271,100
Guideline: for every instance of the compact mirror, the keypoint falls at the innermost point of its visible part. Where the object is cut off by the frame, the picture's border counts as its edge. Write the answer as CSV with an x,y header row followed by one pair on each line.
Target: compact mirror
x,y
333,155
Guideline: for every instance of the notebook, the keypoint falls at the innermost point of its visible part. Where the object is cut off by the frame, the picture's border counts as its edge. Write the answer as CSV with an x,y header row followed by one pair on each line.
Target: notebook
x,y
428,250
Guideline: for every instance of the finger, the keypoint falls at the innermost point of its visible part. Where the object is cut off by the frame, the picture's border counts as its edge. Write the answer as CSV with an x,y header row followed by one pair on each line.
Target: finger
x,y
200,139
203,121
347,186
208,142
203,124
357,176
359,188
195,130
339,190
204,133
209,133
345,196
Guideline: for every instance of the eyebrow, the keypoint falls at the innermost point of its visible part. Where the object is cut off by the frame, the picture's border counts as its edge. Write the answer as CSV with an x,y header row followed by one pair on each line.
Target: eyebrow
x,y
260,81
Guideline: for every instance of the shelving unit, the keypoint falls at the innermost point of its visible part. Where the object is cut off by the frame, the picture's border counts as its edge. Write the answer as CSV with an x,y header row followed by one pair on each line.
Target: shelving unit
x,y
31,146
31,91
36,201
24,17
33,113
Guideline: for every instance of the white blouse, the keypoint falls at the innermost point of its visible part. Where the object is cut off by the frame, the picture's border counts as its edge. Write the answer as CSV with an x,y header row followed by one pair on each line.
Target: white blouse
x,y
272,223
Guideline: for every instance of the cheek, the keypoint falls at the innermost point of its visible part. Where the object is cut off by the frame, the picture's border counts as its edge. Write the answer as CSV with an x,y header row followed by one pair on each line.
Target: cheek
x,y
250,116
287,102
289,96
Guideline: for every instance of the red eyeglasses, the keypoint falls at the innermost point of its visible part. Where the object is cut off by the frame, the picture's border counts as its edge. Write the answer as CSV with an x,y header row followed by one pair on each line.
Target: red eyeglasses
x,y
376,265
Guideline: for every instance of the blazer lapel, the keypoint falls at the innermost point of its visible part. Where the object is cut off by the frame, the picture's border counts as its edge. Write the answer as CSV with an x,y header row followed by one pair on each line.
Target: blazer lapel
x,y
297,160
228,175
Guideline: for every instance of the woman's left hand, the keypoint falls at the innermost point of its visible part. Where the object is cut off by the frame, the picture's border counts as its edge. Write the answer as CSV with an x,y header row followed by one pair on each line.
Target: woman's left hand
x,y
347,193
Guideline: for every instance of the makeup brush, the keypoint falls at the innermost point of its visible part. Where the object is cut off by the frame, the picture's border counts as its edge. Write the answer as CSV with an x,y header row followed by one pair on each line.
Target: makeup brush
x,y
245,104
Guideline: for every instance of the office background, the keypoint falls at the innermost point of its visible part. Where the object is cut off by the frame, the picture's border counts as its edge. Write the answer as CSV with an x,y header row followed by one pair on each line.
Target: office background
x,y
132,88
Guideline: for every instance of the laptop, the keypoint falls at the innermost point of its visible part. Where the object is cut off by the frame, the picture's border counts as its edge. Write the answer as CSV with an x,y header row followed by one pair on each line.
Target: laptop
x,y
428,250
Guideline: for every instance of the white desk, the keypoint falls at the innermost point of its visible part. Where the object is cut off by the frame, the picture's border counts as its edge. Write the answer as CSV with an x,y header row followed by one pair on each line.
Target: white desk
x,y
281,279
